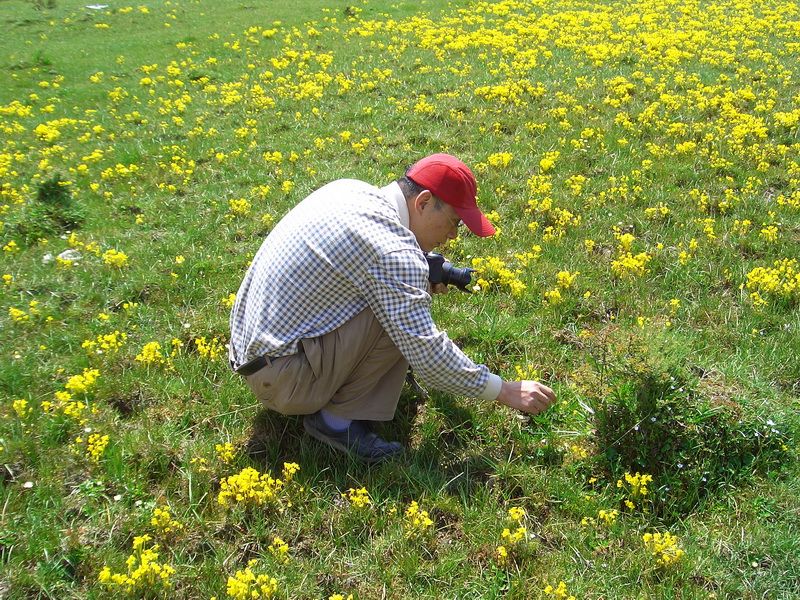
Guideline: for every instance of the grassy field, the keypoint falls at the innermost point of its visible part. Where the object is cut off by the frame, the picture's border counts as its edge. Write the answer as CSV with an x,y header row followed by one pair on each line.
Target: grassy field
x,y
641,162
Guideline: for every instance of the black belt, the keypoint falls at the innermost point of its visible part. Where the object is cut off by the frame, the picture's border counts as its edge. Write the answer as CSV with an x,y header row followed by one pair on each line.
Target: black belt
x,y
254,365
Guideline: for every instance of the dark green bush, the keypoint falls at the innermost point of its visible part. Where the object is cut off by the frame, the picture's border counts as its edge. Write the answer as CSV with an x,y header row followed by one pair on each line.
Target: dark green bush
x,y
656,418
52,212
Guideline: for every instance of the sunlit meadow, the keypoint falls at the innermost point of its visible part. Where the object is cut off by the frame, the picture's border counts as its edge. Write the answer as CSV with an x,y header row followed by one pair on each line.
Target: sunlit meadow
x,y
641,162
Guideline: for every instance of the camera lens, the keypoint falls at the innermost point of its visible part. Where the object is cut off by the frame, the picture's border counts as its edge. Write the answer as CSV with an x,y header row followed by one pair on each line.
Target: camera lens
x,y
459,277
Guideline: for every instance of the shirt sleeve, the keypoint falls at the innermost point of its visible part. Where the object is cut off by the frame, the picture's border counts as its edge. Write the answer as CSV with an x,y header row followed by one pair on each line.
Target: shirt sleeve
x,y
395,289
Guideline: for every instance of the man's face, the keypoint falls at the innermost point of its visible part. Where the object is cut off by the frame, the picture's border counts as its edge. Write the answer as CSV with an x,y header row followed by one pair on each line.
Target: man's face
x,y
433,221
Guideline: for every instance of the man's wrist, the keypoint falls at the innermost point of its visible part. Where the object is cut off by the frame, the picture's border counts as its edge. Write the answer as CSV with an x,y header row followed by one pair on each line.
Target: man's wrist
x,y
492,389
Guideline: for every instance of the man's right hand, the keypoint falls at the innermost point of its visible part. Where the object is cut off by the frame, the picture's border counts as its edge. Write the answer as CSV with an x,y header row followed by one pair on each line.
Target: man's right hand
x,y
528,396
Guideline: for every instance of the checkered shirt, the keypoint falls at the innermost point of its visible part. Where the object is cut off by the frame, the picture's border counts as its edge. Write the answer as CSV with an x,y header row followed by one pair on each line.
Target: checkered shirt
x,y
343,249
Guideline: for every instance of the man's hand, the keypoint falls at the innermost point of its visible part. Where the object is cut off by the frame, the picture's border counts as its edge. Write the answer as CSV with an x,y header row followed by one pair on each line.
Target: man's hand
x,y
528,396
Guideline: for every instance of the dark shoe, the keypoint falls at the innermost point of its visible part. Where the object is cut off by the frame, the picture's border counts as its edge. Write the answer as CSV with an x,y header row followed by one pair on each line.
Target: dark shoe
x,y
357,440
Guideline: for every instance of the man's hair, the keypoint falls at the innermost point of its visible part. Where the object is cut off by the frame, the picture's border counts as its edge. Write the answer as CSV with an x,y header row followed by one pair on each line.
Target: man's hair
x,y
411,189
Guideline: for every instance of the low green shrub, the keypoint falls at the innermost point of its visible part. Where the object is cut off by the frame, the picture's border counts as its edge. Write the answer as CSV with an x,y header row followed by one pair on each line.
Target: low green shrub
x,y
654,414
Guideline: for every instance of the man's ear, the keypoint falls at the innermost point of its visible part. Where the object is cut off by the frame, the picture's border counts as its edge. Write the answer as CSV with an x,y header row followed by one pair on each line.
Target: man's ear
x,y
422,200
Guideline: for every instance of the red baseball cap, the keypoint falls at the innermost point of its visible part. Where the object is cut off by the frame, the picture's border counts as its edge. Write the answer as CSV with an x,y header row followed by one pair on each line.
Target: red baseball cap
x,y
448,178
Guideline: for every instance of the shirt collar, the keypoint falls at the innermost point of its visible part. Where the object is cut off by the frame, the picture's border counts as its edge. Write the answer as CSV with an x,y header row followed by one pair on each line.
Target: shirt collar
x,y
393,192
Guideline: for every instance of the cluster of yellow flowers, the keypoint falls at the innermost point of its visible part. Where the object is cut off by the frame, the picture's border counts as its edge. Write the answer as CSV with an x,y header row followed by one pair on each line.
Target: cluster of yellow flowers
x,y
95,446
152,353
239,207
635,486
66,405
685,255
528,371
115,258
163,522
64,401
416,522
604,517
359,498
225,452
106,342
512,539
82,383
493,271
630,265
211,350
249,488
21,408
19,315
145,575
557,220
228,301
664,547
500,159
564,281
279,549
560,591
782,280
246,585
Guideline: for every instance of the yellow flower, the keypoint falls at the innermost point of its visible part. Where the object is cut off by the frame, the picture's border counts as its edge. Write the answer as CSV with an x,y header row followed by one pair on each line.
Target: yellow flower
x,y
225,452
95,446
246,585
162,520
500,159
359,498
553,297
115,258
549,161
559,592
279,549
151,354
628,265
417,522
17,315
249,488
145,575
211,350
239,206
565,279
229,300
516,513
105,342
664,547
80,384
21,408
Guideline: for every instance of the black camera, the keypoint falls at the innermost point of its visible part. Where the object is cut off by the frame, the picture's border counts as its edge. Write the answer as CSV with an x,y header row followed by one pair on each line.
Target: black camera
x,y
443,271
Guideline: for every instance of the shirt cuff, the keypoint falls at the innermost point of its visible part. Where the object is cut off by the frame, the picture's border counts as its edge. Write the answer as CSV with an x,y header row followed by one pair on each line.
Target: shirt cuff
x,y
492,389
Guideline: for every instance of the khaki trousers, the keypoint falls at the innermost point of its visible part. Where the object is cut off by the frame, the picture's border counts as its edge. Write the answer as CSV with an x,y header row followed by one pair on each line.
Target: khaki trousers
x,y
354,372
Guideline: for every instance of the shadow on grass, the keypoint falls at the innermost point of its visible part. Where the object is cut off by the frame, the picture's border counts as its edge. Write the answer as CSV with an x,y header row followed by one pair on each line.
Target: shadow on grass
x,y
437,459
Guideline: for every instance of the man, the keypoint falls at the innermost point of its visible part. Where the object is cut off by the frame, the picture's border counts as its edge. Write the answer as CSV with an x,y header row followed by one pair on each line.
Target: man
x,y
335,306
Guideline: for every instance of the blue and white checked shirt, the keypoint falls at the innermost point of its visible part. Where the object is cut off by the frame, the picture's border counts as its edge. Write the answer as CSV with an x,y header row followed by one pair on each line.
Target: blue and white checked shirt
x,y
345,248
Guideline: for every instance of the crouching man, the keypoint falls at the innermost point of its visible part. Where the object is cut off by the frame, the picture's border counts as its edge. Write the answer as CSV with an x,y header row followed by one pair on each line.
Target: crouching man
x,y
335,307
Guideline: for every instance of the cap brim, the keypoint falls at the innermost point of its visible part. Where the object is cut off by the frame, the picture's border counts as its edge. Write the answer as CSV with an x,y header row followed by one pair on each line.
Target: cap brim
x,y
475,220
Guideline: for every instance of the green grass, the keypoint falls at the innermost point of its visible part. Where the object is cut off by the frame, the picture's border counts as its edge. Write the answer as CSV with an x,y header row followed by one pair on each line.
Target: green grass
x,y
702,394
